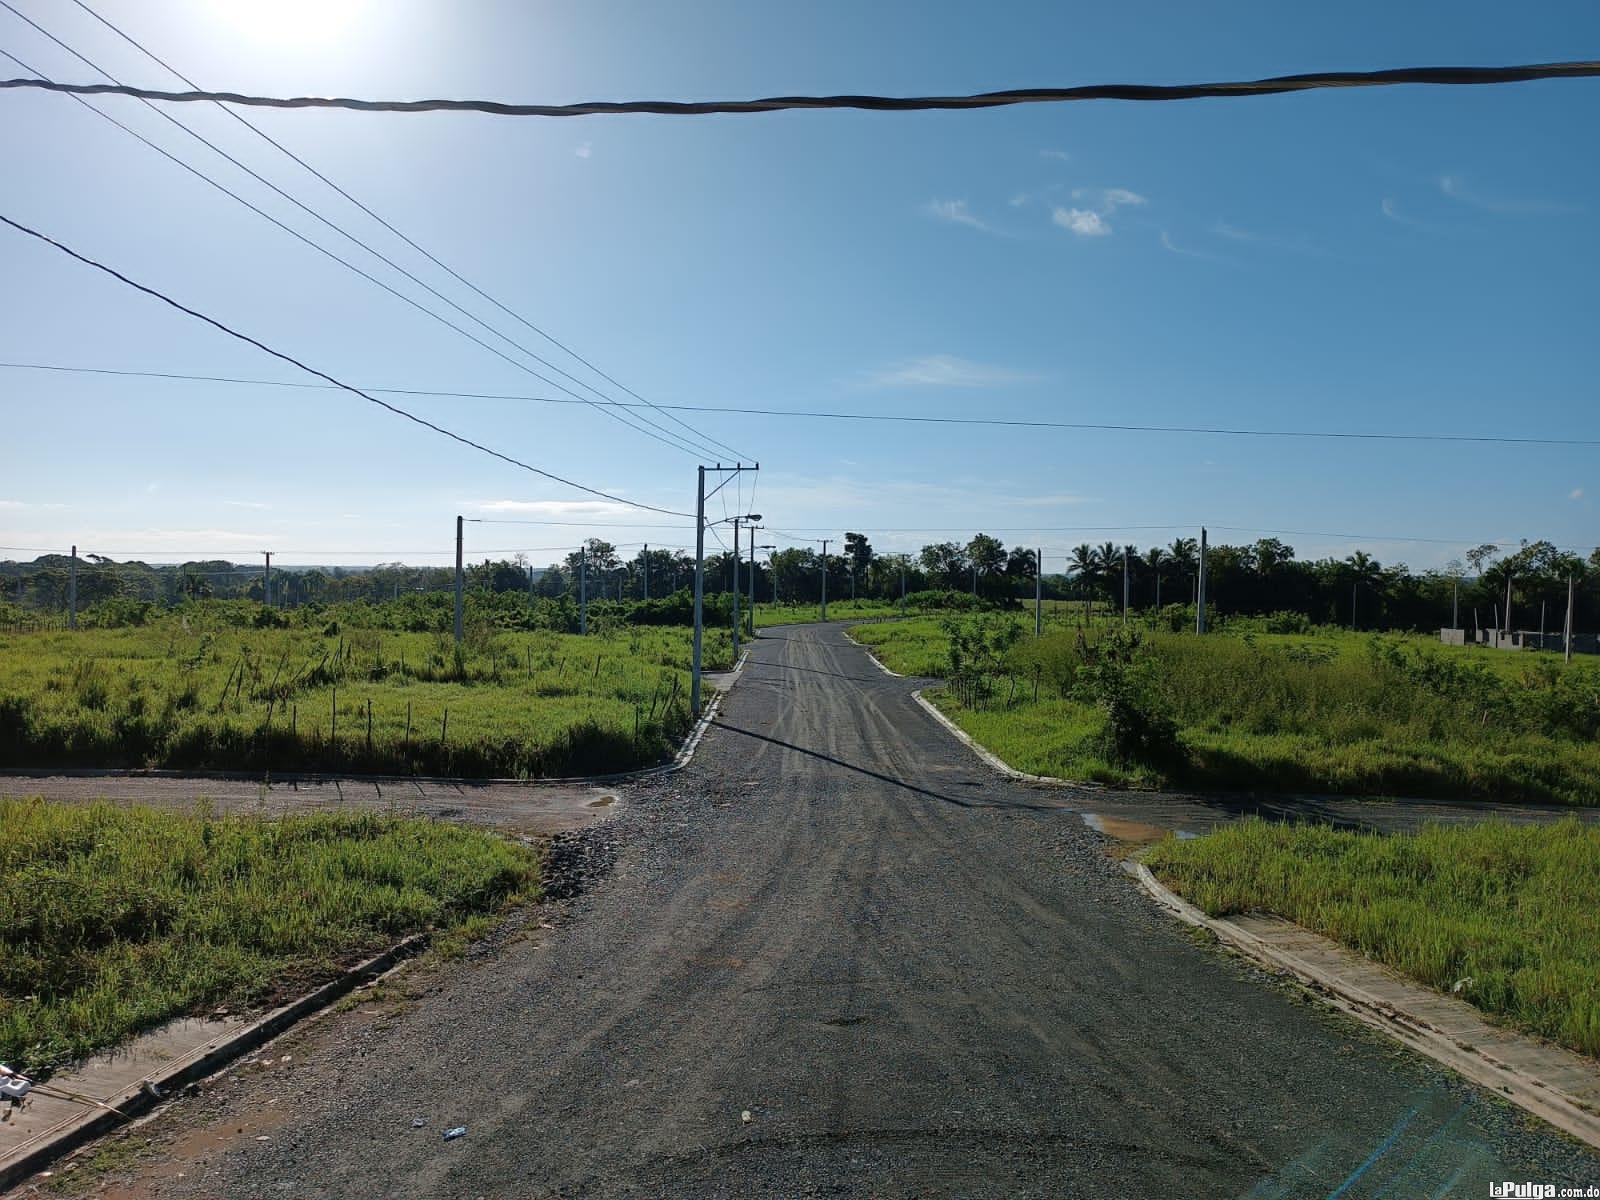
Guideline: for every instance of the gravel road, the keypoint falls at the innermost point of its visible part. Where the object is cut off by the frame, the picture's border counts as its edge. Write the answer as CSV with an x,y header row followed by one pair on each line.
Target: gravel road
x,y
837,956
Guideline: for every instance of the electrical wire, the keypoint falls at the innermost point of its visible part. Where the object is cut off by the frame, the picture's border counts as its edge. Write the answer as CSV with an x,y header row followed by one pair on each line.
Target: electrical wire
x,y
836,415
1273,85
278,354
270,140
621,415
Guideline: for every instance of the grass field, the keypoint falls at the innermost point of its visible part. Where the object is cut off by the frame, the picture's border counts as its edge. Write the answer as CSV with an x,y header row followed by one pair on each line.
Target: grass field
x,y
113,919
1505,912
203,690
1330,712
838,610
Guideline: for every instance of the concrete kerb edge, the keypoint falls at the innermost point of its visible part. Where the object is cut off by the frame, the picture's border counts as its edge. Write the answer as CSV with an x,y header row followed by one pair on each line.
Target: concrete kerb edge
x,y
1543,1099
876,661
679,761
136,1100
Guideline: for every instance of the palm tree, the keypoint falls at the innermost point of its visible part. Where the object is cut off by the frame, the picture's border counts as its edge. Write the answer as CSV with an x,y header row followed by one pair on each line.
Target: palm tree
x,y
1364,572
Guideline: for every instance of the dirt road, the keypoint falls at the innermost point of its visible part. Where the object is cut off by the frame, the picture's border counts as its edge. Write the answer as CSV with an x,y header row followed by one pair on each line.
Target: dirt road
x,y
838,957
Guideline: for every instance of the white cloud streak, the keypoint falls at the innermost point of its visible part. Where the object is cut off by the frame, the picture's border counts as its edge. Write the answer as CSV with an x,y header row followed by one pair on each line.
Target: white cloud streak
x,y
946,370
956,212
1081,221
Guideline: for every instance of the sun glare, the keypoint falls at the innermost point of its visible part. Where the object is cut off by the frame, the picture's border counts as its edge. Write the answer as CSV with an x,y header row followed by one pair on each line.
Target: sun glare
x,y
312,22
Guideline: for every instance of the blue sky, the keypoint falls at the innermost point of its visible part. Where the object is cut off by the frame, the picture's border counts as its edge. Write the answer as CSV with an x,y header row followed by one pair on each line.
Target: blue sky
x,y
1405,260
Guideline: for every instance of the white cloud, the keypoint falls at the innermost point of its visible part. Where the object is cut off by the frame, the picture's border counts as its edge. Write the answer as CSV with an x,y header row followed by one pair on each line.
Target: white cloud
x,y
18,505
584,149
1091,221
1107,200
1187,252
956,212
553,508
246,504
1393,212
1081,221
1575,494
1457,188
946,370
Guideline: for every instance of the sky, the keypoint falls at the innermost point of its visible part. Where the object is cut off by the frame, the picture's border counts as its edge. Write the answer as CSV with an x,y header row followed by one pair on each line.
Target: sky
x,y
1400,260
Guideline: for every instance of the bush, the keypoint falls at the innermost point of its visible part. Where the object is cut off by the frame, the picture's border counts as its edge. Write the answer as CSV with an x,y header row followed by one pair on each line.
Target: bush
x,y
1287,622
1139,729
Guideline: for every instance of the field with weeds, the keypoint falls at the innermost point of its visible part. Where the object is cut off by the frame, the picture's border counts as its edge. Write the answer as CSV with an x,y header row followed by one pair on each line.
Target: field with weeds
x,y
1328,711
1503,913
838,610
114,919
208,687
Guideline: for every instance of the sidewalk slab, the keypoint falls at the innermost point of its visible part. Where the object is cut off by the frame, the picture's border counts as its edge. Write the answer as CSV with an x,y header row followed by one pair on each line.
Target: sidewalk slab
x,y
1550,1081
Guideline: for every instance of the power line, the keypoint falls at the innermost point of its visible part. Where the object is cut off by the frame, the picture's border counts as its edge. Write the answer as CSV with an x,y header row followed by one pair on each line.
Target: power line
x,y
580,524
1274,85
835,415
270,140
278,354
622,416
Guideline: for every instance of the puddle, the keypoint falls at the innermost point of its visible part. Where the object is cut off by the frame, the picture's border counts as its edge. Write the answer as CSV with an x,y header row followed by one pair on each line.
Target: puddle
x,y
1125,830
603,802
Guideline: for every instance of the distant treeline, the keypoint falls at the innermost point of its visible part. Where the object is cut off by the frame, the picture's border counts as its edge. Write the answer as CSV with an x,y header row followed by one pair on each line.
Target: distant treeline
x,y
1259,578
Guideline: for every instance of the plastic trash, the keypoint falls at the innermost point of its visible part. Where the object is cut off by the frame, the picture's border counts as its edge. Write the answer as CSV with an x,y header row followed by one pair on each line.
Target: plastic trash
x,y
451,1135
12,1085
418,1122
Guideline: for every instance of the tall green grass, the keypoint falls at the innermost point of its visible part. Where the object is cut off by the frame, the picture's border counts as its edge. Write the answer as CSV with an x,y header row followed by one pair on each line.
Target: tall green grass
x,y
1332,712
113,919
1505,914
196,691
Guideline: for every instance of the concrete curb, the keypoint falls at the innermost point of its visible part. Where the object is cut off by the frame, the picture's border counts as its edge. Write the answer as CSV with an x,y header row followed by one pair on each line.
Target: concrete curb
x,y
679,761
876,661
138,1098
1544,1099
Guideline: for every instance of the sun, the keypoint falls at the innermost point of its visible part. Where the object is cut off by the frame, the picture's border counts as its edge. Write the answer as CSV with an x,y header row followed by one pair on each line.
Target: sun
x,y
313,22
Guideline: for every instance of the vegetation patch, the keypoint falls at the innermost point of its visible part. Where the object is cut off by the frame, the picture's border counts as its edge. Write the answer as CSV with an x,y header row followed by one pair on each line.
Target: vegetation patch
x,y
226,685
1503,915
1323,711
113,919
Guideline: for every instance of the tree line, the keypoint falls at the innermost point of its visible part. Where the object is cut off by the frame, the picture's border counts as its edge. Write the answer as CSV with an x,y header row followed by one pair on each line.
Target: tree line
x,y
1261,577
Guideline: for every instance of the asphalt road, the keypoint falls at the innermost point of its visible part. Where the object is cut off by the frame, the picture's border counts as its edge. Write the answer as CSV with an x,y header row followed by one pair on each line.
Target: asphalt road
x,y
838,957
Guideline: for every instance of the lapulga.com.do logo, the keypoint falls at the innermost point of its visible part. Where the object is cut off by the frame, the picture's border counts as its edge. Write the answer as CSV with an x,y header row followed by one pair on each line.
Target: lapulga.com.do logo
x,y
1530,1191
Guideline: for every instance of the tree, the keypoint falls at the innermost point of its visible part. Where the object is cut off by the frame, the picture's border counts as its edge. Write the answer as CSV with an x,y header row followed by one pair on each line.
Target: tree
x,y
946,562
1085,564
987,556
858,551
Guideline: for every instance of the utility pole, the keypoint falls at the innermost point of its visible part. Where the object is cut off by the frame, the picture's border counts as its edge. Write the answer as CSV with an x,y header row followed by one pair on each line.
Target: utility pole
x,y
902,589
72,590
1200,587
530,583
1353,587
458,580
974,581
1124,585
266,580
583,590
1455,603
647,570
736,588
825,542
1541,624
753,529
1038,592
1508,604
700,567
1567,635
